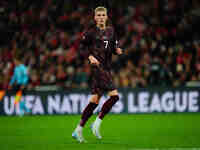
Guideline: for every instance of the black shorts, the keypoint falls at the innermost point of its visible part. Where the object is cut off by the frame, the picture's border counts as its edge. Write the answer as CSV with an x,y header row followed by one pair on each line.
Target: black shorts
x,y
101,81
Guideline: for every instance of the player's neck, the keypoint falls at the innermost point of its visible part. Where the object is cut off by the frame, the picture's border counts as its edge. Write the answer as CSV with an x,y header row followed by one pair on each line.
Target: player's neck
x,y
101,26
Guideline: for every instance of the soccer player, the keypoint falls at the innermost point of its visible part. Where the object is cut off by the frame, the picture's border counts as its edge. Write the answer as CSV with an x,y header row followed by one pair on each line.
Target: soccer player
x,y
19,81
97,45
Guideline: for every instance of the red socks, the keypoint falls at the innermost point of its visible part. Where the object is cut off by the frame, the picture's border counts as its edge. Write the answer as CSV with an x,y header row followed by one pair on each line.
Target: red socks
x,y
87,113
108,105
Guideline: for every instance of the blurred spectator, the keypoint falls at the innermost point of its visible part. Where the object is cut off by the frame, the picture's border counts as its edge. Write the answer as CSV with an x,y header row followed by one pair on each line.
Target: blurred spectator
x,y
160,38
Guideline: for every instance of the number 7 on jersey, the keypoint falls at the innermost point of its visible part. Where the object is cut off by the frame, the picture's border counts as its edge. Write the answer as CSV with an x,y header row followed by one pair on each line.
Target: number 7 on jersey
x,y
106,43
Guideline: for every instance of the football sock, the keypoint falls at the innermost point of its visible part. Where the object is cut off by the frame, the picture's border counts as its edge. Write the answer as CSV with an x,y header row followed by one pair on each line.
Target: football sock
x,y
108,105
87,113
78,128
97,122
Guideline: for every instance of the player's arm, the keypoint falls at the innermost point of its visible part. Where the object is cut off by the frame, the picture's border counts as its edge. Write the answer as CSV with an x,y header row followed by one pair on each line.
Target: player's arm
x,y
25,77
85,43
13,79
117,50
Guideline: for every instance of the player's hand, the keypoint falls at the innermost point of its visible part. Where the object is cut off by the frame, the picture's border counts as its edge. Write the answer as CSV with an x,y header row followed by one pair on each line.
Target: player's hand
x,y
93,60
119,51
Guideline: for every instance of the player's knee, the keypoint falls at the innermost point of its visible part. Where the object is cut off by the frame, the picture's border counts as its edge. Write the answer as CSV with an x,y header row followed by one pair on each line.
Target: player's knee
x,y
95,99
115,97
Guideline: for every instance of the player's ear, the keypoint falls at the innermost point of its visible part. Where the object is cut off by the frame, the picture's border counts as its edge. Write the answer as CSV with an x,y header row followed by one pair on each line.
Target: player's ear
x,y
106,16
94,17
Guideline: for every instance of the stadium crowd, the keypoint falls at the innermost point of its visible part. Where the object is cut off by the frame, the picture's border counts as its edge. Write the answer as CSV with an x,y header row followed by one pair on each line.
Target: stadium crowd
x,y
161,42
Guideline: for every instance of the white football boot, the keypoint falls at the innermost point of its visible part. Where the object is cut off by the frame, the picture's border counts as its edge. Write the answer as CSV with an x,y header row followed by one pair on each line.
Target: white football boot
x,y
77,134
96,128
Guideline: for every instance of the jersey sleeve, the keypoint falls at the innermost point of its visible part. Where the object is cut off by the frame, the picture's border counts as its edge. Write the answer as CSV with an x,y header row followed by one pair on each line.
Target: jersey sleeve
x,y
115,43
85,44
13,79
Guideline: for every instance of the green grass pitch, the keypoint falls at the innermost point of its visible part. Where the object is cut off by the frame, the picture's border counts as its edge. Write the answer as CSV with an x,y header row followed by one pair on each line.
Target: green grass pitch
x,y
120,132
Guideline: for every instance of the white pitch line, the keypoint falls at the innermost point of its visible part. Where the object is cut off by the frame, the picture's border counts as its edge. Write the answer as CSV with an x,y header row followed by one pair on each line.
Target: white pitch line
x,y
164,149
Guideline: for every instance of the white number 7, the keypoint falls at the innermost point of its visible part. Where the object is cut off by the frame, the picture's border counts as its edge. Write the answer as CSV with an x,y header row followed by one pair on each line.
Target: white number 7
x,y
106,44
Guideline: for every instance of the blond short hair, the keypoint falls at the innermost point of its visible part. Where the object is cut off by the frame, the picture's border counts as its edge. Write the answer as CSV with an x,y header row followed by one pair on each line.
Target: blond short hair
x,y
100,8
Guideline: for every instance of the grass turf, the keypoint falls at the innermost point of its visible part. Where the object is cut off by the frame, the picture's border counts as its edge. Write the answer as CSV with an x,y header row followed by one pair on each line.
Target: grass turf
x,y
120,132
